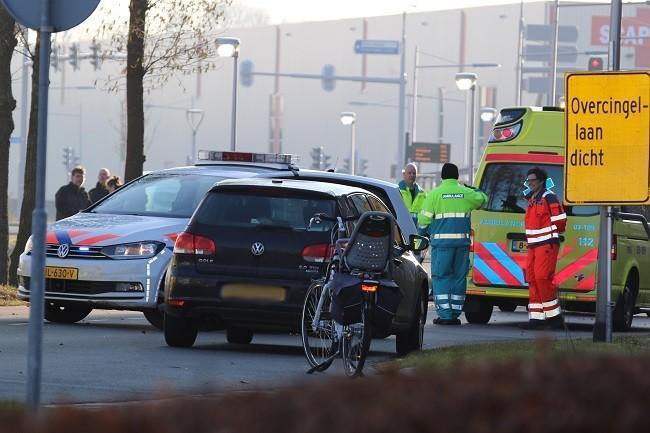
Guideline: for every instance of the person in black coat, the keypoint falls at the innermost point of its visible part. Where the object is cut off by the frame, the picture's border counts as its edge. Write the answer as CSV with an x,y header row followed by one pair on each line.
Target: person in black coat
x,y
72,198
100,191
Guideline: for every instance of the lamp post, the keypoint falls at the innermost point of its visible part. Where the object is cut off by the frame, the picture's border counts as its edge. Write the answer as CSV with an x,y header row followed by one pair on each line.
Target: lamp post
x,y
229,47
349,118
194,118
467,81
488,114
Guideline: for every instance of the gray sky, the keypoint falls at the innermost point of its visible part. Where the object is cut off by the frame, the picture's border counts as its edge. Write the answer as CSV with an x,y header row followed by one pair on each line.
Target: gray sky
x,y
314,10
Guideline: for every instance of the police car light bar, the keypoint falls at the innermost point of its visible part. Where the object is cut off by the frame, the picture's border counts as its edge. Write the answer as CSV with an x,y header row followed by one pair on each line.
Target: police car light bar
x,y
277,158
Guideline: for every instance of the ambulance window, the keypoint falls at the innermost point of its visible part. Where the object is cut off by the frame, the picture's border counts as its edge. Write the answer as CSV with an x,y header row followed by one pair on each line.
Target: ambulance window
x,y
503,184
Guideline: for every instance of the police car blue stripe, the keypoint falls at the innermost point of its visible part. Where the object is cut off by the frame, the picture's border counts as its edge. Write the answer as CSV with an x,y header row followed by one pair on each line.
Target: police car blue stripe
x,y
63,237
505,260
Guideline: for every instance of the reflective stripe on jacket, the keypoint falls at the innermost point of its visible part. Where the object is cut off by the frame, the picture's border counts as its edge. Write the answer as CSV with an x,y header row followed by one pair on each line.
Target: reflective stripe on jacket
x,y
545,219
445,214
414,205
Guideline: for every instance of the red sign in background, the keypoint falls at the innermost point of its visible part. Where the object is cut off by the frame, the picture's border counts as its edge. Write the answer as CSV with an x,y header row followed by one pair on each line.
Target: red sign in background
x,y
635,33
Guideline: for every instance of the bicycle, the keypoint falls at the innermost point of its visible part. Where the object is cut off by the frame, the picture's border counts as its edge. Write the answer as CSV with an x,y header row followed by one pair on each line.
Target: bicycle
x,y
323,337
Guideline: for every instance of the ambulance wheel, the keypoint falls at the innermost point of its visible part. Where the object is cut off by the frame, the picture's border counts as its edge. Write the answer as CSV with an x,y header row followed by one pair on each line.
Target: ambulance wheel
x,y
481,315
239,336
65,313
624,310
508,307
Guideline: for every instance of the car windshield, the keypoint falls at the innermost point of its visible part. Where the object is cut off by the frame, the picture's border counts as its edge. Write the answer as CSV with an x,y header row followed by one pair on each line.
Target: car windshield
x,y
503,184
159,194
265,210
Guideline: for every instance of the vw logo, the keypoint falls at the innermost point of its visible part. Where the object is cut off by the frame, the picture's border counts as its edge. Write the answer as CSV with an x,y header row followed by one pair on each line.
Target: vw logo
x,y
63,250
257,248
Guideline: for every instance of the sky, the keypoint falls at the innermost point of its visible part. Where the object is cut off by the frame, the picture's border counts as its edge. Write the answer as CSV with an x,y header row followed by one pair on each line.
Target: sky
x,y
314,10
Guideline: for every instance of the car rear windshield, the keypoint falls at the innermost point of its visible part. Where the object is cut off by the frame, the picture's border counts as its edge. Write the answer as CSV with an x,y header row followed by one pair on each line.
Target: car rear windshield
x,y
265,209
162,194
504,185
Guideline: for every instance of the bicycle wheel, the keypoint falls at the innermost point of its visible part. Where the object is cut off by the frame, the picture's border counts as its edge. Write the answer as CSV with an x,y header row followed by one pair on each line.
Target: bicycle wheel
x,y
317,343
356,343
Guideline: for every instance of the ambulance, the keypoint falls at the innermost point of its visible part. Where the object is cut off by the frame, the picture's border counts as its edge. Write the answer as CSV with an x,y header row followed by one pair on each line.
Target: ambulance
x,y
523,138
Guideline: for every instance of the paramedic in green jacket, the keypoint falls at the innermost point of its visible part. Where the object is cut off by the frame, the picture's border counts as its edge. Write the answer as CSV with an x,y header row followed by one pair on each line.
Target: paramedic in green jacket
x,y
445,217
412,194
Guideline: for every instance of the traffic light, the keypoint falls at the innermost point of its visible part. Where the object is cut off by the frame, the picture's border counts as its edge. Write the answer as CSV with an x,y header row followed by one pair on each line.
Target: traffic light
x,y
363,166
74,56
54,57
68,158
246,73
346,165
328,74
95,52
316,157
595,64
325,161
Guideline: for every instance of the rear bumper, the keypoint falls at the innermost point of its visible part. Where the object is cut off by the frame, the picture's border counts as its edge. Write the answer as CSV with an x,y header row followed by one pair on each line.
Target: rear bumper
x,y
204,300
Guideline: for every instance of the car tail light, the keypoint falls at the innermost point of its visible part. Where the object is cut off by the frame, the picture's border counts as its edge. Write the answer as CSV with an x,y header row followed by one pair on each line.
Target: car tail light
x,y
318,253
614,247
188,243
471,240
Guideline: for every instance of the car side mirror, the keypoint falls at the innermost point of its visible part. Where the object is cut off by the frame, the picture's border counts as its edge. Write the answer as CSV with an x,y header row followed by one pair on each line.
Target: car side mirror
x,y
418,242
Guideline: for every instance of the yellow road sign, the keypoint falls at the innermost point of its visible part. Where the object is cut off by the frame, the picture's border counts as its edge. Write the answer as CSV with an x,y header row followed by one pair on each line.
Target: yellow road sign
x,y
607,130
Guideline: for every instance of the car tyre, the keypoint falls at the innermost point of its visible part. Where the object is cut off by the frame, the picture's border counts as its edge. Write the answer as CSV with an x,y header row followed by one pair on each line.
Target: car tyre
x,y
624,310
179,332
482,315
239,336
155,318
411,340
58,313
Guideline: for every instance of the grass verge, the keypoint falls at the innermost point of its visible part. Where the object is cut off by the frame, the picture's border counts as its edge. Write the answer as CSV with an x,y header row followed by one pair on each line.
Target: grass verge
x,y
505,351
8,296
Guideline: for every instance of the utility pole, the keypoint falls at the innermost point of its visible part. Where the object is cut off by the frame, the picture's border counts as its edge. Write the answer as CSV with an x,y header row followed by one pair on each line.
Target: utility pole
x,y
402,98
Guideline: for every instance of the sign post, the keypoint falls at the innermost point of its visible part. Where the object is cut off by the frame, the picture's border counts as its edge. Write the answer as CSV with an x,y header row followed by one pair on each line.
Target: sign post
x,y
607,127
46,16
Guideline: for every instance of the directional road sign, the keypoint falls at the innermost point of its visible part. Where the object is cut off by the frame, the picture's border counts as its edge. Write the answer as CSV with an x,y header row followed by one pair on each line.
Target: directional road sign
x,y
607,130
370,46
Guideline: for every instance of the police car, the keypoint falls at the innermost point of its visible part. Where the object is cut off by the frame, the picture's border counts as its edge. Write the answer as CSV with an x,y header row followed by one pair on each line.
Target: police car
x,y
115,254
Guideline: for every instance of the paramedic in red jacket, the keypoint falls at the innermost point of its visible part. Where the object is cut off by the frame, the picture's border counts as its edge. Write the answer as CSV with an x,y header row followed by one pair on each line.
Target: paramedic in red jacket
x,y
545,220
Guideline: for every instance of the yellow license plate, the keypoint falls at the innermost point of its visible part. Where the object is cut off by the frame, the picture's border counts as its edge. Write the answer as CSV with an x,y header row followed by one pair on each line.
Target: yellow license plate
x,y
60,273
252,292
519,246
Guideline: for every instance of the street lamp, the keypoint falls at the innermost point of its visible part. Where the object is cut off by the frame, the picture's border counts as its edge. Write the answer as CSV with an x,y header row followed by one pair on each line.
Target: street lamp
x,y
349,118
467,81
194,118
488,114
229,47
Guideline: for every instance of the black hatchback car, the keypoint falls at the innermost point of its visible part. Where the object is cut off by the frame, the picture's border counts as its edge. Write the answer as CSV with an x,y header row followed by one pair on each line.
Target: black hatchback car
x,y
249,253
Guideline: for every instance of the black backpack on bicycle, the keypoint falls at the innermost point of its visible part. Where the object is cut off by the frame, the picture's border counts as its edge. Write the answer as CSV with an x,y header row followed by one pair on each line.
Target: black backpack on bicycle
x,y
370,252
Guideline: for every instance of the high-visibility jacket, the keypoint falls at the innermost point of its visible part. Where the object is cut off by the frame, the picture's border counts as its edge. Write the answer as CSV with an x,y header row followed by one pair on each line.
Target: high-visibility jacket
x,y
545,219
413,201
445,214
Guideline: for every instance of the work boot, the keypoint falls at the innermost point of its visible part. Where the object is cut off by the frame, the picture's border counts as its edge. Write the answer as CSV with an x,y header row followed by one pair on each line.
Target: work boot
x,y
441,321
533,324
556,322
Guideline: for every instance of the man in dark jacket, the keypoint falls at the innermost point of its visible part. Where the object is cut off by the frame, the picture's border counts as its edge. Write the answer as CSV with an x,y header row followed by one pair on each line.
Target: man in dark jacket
x,y
100,191
72,198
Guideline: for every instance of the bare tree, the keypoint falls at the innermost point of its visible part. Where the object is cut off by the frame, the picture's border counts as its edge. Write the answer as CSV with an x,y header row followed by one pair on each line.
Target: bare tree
x,y
8,42
163,38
